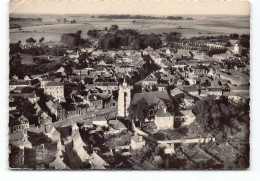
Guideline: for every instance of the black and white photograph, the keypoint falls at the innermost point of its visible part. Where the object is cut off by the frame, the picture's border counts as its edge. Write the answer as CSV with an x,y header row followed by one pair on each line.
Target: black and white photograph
x,y
129,85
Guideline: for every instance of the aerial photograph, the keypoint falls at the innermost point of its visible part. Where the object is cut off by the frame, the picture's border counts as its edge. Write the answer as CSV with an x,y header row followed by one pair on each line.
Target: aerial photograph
x,y
129,85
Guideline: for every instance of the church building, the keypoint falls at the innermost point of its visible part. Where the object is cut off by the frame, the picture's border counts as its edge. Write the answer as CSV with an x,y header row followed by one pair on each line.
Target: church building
x,y
124,99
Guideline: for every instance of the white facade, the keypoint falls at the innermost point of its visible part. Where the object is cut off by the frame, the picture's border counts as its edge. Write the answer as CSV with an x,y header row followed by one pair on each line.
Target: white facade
x,y
124,99
237,49
55,91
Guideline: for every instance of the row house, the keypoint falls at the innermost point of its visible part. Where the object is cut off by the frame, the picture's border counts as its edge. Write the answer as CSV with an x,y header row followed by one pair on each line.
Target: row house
x,y
106,85
18,84
55,89
95,103
56,109
76,109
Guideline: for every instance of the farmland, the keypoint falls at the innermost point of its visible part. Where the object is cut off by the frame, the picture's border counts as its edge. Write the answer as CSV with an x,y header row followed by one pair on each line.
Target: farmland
x,y
51,29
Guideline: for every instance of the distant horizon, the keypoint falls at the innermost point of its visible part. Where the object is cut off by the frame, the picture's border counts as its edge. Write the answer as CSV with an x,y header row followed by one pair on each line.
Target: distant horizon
x,y
14,13
155,8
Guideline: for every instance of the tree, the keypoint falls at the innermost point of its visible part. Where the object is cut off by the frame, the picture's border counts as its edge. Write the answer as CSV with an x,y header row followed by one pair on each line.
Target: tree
x,y
15,48
114,28
139,111
92,33
173,37
245,40
228,44
41,40
30,40
234,36
218,117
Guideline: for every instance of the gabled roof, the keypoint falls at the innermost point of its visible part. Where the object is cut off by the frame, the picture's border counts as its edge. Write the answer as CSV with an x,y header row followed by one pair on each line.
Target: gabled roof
x,y
176,91
163,113
149,96
186,113
19,135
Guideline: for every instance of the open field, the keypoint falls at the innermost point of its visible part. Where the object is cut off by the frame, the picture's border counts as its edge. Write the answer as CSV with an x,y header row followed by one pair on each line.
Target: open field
x,y
51,30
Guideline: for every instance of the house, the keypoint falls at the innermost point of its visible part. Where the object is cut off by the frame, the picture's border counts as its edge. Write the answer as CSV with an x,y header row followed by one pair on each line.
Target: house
x,y
148,51
17,122
188,99
223,56
203,92
76,109
161,87
151,97
163,119
236,96
88,124
237,49
56,108
186,117
15,77
79,146
149,80
137,142
61,69
214,91
55,89
170,79
19,139
51,133
95,102
37,109
193,90
15,84
26,78
100,121
33,98
239,89
123,67
175,92
44,119
109,102
98,163
170,149
35,82
12,106
44,81
57,163
171,51
106,85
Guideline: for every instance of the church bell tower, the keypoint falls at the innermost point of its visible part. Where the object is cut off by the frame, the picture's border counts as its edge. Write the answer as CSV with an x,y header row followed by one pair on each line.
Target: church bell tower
x,y
124,99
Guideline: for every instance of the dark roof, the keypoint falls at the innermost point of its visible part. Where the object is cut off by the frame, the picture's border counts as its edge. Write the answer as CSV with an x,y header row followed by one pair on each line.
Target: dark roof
x,y
163,113
214,89
150,96
190,89
54,84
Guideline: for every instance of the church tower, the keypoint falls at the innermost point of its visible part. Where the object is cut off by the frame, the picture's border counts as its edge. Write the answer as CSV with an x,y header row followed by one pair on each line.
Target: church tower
x,y
124,99
237,49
